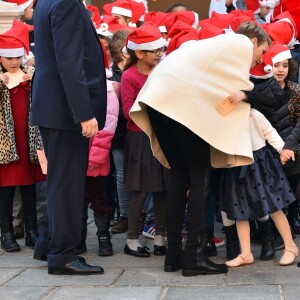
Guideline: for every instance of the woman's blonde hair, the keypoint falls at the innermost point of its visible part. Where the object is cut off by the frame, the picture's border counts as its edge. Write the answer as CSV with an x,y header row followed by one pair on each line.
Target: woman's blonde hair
x,y
252,30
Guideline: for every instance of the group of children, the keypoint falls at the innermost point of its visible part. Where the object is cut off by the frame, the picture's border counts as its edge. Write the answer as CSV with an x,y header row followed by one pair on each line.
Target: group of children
x,y
252,192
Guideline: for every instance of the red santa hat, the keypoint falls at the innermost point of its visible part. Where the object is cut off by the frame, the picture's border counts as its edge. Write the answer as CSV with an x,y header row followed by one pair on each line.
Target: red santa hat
x,y
208,30
276,53
236,22
15,41
107,8
22,4
146,37
283,30
189,17
180,34
129,8
95,15
157,18
222,21
293,7
109,25
253,5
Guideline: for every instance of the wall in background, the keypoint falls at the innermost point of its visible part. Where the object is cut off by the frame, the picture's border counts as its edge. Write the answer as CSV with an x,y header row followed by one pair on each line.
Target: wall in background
x,y
200,6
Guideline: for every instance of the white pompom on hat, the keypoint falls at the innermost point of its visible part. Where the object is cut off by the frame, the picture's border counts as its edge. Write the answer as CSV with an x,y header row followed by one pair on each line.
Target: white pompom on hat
x,y
145,37
270,3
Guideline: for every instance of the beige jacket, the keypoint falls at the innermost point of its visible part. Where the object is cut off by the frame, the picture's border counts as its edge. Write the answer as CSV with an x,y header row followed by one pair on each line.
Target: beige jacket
x,y
188,85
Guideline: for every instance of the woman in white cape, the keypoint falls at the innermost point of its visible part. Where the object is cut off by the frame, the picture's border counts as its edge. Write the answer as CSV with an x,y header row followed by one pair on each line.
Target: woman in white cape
x,y
177,110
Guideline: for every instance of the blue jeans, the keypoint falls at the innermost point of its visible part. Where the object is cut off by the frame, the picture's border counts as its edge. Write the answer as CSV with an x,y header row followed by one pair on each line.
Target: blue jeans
x,y
148,209
123,195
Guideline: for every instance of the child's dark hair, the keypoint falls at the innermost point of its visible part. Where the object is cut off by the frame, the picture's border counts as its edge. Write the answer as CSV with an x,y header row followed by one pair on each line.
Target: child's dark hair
x,y
293,69
175,5
132,60
117,43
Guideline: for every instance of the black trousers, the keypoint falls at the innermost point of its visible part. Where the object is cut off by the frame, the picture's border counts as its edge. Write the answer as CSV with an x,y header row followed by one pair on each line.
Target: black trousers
x,y
189,158
67,155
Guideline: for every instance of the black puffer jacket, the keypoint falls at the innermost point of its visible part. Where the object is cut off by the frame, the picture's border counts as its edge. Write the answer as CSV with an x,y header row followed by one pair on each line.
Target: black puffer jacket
x,y
272,101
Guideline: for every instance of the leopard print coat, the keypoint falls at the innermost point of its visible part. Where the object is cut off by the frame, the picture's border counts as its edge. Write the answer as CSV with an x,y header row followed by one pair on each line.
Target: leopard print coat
x,y
8,150
294,102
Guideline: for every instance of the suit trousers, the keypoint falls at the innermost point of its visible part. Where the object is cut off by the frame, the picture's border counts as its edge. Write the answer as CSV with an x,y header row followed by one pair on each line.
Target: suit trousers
x,y
67,155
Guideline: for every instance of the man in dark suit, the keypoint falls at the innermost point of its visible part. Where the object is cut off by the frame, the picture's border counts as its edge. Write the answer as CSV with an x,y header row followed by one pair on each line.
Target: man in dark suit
x,y
69,106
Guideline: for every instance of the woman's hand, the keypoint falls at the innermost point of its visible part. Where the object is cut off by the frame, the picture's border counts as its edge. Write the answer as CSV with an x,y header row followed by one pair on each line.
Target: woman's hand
x,y
236,97
286,155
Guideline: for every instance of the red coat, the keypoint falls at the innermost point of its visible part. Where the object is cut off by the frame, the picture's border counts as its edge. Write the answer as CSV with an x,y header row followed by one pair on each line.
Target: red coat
x,y
22,171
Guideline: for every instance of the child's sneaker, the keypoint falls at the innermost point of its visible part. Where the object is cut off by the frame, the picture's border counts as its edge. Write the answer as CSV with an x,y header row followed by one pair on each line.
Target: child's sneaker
x,y
218,241
149,231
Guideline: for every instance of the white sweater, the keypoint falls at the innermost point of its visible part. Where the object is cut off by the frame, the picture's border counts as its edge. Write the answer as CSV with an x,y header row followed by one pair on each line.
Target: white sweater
x,y
261,131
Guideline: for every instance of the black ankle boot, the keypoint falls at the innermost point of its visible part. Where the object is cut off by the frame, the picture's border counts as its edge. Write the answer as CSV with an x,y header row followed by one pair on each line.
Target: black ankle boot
x,y
8,241
267,240
232,242
31,234
173,259
105,245
195,262
81,247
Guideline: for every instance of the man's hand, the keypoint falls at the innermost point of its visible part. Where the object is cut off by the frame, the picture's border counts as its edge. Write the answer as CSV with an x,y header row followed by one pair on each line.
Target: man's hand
x,y
89,128
286,155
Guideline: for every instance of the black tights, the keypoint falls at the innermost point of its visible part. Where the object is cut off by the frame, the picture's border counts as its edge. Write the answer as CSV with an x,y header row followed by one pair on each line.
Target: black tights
x,y
134,211
28,200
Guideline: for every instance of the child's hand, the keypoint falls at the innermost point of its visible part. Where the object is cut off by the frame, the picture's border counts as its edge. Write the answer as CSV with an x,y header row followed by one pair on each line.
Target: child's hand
x,y
4,78
30,62
236,97
286,155
27,77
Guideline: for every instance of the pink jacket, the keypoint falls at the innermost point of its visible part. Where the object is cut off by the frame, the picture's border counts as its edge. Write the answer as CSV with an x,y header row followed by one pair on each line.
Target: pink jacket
x,y
99,157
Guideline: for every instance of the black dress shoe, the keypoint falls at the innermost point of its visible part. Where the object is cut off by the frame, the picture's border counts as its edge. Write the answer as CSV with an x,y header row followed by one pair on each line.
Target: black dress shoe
x,y
204,266
159,250
140,252
42,257
76,267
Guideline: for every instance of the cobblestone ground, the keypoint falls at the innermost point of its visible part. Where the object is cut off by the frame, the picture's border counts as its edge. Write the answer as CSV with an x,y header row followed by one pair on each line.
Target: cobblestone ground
x,y
130,278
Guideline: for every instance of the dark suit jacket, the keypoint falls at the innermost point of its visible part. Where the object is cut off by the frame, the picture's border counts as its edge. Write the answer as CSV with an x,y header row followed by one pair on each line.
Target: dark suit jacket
x,y
69,84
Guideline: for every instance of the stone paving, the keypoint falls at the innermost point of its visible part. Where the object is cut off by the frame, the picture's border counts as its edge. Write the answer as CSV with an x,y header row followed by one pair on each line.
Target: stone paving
x,y
130,278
